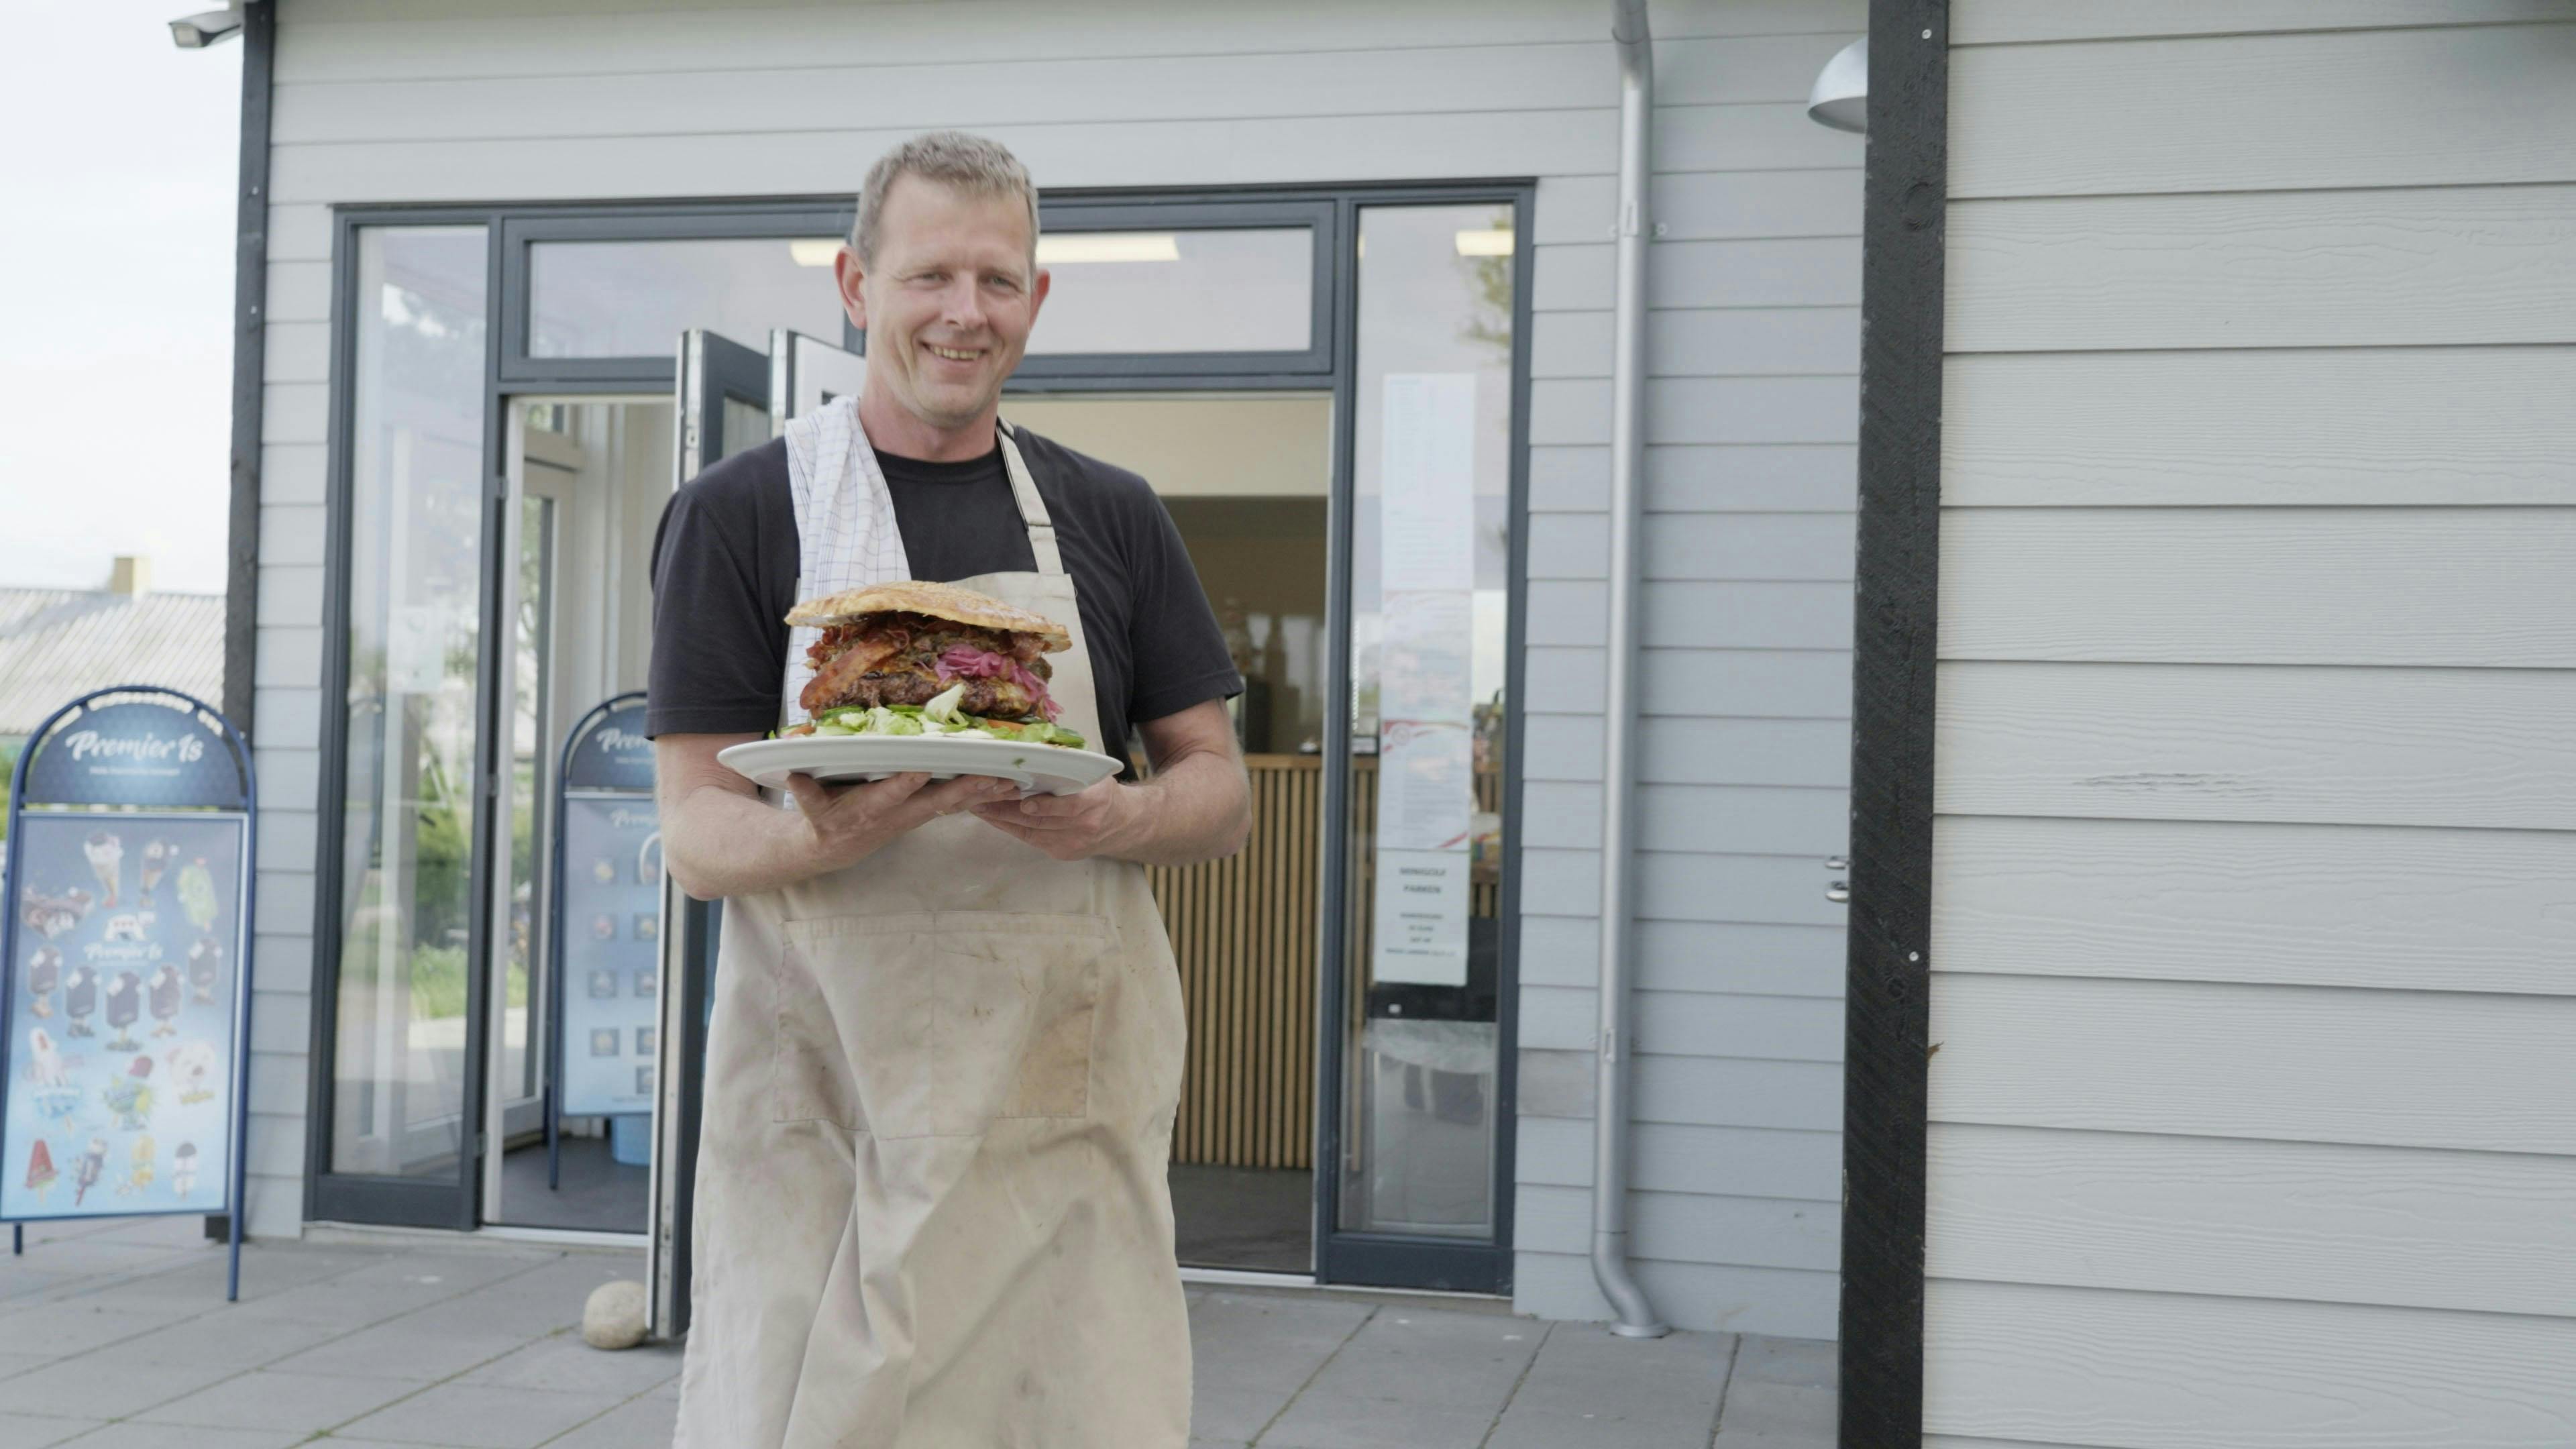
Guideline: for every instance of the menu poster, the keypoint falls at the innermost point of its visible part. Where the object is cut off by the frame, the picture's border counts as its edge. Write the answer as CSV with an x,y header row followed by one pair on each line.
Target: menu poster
x,y
611,904
123,993
1427,481
1426,706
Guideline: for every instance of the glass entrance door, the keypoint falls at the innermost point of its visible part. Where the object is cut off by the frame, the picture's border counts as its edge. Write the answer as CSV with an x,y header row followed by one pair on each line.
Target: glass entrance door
x,y
588,478
723,401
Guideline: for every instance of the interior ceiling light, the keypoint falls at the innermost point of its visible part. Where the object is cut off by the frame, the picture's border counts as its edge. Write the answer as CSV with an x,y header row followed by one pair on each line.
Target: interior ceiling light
x,y
1841,96
814,251
1107,246
1490,242
196,32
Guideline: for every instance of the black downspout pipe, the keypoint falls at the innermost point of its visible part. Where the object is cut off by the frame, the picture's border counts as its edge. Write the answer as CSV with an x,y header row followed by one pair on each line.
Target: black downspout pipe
x,y
250,322
250,357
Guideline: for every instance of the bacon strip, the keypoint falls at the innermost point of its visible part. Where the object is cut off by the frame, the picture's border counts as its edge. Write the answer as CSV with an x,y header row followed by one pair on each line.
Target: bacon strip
x,y
835,676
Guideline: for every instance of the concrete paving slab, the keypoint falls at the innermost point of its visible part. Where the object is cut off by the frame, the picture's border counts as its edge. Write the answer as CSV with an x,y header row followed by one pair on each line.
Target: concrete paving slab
x,y
1253,1354
1412,1380
22,1431
171,1436
1759,1411
401,1350
1671,1384
1805,1362
58,1331
480,1416
645,1423
102,1385
299,1403
227,1340
564,1363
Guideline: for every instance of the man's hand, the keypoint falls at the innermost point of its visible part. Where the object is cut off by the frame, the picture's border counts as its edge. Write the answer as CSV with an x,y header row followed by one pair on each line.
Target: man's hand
x,y
719,838
1097,821
1197,807
845,824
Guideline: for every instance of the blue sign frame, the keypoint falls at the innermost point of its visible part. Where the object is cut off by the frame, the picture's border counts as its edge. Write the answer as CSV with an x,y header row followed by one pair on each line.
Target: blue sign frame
x,y
139,753
606,761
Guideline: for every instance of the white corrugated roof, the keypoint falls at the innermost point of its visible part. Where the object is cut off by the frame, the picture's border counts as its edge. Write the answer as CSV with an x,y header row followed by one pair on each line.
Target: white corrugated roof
x,y
59,644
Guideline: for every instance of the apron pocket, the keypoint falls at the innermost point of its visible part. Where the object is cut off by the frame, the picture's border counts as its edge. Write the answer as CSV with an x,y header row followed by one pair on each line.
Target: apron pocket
x,y
935,1025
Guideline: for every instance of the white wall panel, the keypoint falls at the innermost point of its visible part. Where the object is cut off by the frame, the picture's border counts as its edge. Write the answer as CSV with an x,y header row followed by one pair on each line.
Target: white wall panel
x,y
1988,22
2263,113
2318,1221
2449,425
2425,586
2283,1063
2465,265
2311,905
2470,747
2157,1371
1728,1161
1681,1227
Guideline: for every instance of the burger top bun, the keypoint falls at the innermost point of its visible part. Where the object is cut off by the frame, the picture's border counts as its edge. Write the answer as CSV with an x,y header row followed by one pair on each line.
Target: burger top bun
x,y
939,601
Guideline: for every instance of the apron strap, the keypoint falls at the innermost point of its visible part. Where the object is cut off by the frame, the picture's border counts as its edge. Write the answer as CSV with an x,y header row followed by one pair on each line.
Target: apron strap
x,y
1024,490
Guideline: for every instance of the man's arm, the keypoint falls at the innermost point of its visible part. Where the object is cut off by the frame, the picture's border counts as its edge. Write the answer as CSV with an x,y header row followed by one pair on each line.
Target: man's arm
x,y
1197,807
719,838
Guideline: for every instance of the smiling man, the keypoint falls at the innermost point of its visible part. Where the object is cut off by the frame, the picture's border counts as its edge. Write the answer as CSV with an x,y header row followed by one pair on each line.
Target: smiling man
x,y
947,1041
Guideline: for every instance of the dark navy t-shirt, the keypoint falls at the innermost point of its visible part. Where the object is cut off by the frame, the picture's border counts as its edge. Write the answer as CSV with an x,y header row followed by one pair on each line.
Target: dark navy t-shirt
x,y
725,575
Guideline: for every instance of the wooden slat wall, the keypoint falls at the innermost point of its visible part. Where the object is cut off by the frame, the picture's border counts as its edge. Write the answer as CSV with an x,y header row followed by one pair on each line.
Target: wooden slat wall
x,y
1243,929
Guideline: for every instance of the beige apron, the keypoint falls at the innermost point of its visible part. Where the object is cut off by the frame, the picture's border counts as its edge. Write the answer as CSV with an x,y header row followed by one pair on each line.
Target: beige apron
x,y
932,1210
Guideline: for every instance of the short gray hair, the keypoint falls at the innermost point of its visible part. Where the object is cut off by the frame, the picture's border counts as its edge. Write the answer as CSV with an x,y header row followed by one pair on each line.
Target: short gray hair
x,y
972,164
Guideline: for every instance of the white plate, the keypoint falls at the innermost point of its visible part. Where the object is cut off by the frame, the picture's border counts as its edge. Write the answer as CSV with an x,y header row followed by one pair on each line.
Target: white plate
x,y
1045,769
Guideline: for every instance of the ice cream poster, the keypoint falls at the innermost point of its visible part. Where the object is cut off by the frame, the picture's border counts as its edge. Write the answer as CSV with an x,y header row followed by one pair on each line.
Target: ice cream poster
x,y
124,995
610,897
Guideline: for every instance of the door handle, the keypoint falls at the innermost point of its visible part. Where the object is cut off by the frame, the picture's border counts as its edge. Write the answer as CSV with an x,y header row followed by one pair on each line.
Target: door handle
x,y
1836,862
1840,891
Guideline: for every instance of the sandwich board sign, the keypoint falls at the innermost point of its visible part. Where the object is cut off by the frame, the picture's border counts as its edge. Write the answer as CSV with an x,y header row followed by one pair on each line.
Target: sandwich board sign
x,y
605,924
125,964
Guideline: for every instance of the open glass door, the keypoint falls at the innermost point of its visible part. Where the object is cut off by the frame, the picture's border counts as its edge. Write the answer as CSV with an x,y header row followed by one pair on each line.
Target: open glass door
x,y
723,399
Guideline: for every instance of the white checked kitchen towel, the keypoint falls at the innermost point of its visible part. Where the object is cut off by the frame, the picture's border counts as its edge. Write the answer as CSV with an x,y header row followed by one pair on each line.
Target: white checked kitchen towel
x,y
846,536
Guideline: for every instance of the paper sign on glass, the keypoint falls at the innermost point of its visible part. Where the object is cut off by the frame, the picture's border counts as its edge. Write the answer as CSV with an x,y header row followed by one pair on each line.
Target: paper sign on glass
x,y
1422,917
1427,479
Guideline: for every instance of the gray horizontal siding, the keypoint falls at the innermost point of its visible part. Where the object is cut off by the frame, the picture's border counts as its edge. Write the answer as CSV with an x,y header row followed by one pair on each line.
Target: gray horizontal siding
x,y
2252,916
2261,113
2324,1222
2331,427
2446,266
2075,1366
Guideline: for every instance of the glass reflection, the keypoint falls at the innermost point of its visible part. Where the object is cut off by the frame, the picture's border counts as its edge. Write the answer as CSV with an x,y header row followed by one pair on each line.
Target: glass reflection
x,y
1242,290
634,298
415,557
1430,590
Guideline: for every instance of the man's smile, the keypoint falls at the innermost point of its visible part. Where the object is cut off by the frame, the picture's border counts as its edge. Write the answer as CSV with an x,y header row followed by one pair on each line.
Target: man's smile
x,y
953,354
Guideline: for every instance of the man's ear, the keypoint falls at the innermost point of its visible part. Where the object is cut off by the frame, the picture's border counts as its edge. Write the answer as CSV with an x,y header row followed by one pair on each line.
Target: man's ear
x,y
1038,292
848,274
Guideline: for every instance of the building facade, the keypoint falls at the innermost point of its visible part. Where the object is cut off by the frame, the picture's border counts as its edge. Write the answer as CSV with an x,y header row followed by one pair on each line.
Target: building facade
x,y
488,227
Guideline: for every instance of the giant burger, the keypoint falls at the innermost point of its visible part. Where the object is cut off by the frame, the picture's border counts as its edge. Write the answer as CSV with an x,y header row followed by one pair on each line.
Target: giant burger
x,y
915,658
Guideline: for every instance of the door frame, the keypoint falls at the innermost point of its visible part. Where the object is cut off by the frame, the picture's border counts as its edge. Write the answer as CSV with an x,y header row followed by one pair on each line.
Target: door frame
x,y
1370,1259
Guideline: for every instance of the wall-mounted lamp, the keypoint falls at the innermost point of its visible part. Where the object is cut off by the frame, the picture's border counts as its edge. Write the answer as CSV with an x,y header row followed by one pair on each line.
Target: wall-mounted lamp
x,y
1841,96
196,32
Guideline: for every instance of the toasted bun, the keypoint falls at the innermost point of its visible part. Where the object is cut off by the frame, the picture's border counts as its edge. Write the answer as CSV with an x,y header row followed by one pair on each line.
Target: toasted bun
x,y
939,601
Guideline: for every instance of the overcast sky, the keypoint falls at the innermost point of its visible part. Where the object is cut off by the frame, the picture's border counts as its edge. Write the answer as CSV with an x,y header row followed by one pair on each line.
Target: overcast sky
x,y
116,265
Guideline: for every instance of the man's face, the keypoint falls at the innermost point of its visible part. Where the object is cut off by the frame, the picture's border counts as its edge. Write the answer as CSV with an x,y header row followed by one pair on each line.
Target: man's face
x,y
949,301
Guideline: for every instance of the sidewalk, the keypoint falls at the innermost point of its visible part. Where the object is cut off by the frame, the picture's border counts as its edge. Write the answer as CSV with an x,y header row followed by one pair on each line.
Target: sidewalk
x,y
115,1335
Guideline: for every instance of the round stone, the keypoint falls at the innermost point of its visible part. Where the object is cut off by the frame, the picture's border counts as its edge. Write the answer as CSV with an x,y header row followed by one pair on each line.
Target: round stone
x,y
614,1317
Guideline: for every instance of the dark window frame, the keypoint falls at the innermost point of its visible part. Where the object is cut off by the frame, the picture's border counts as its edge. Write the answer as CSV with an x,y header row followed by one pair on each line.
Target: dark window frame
x,y
1329,365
